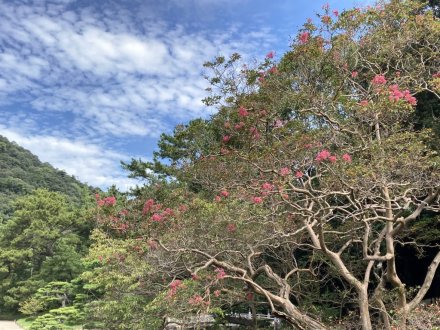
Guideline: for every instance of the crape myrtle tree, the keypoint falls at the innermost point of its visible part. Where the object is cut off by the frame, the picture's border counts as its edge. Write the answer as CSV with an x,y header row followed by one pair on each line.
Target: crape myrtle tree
x,y
307,177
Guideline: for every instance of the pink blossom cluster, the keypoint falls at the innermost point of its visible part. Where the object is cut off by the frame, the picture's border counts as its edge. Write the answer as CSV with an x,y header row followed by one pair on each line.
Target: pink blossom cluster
x,y
396,95
151,206
299,174
326,155
304,37
326,19
220,273
239,126
243,112
148,206
267,186
284,171
273,70
174,285
379,79
107,201
323,155
278,123
195,300
270,55
255,133
123,212
222,194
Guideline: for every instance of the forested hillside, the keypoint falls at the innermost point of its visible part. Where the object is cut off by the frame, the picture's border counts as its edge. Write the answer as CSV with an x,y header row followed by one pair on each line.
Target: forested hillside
x,y
21,172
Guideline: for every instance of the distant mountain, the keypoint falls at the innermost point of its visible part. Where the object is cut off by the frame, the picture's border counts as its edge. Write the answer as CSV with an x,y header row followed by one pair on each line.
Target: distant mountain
x,y
21,172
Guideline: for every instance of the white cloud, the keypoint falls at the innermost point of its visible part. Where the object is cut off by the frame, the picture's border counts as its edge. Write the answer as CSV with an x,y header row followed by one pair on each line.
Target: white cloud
x,y
106,70
69,70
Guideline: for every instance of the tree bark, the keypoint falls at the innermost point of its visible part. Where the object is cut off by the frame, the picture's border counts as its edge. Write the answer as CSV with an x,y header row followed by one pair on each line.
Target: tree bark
x,y
364,308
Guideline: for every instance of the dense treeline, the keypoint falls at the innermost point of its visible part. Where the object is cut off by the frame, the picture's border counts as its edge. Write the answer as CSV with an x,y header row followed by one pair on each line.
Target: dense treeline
x,y
21,172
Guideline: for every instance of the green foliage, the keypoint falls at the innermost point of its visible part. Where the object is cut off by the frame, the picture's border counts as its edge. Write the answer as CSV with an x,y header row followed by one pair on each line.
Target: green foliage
x,y
22,172
43,241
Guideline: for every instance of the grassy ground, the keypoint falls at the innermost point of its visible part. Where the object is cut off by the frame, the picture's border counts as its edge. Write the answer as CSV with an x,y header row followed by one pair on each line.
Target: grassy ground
x,y
25,323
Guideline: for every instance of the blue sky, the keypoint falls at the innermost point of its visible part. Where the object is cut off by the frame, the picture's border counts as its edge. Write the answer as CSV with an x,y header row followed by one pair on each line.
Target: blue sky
x,y
86,84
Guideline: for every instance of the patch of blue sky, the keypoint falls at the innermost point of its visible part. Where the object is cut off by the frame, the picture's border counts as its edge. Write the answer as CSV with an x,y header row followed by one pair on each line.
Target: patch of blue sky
x,y
86,84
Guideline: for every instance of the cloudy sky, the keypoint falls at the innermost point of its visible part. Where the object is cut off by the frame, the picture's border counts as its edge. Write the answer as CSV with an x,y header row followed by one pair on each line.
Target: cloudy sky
x,y
86,84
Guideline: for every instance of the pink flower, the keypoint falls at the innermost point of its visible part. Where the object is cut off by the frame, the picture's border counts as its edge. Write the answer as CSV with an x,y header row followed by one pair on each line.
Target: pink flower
x,y
168,212
242,112
271,54
409,98
217,198
354,74
323,155
226,138
363,103
284,171
299,174
217,293
255,133
257,200
326,19
220,273
156,217
175,284
436,75
304,37
267,186
336,13
273,70
231,227
123,212
148,206
239,126
379,80
195,300
332,159
395,93
224,193
110,201
278,123
347,158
